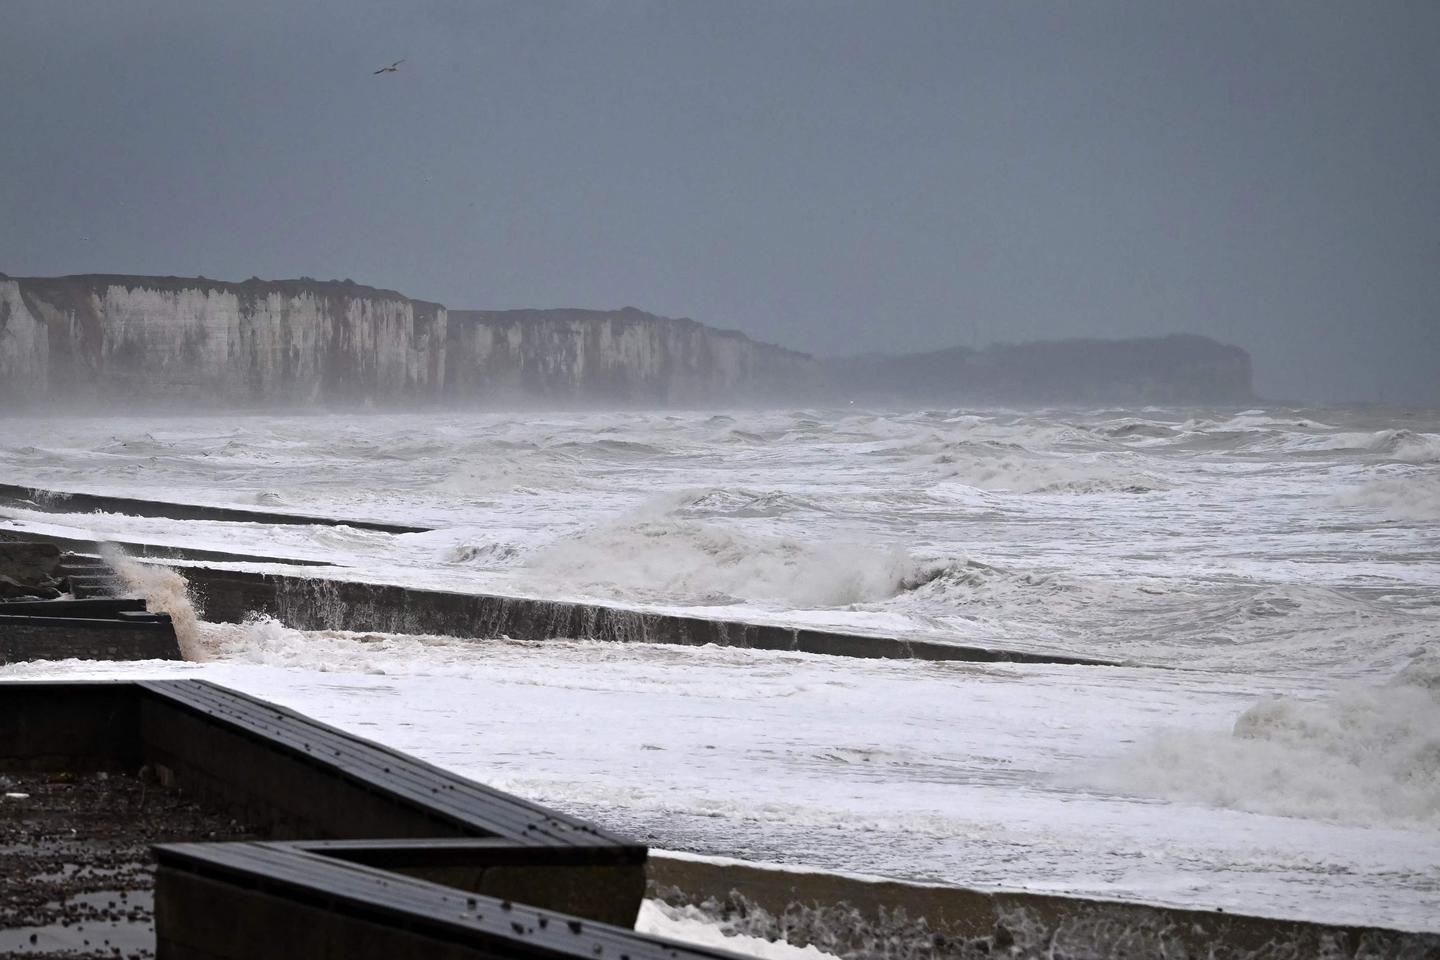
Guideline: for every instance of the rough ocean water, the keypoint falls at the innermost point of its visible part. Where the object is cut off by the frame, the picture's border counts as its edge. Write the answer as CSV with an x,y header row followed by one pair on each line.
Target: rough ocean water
x,y
1272,578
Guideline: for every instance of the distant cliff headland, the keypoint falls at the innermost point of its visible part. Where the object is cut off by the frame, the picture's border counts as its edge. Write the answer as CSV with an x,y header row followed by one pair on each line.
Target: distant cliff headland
x,y
1178,369
96,341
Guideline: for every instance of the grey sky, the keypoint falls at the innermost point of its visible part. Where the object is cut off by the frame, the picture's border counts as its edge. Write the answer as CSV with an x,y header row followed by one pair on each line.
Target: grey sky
x,y
833,176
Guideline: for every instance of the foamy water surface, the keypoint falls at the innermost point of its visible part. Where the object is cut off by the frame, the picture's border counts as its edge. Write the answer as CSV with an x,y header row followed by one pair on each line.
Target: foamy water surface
x,y
1273,575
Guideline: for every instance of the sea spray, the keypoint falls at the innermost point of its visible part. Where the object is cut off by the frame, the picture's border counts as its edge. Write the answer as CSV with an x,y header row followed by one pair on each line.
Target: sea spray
x,y
165,591
1368,755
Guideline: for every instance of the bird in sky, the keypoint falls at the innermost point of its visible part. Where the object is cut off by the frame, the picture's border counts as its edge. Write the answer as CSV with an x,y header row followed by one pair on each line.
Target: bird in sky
x,y
393,68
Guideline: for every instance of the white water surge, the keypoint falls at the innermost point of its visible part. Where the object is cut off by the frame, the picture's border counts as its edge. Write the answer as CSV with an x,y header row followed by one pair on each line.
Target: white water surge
x,y
1275,575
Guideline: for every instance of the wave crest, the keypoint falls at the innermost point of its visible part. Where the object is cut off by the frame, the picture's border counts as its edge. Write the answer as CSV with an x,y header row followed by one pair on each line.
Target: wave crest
x,y
663,559
1409,497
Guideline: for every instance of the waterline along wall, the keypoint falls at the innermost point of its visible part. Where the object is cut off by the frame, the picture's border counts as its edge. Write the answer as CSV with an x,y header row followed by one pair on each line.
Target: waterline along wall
x,y
320,603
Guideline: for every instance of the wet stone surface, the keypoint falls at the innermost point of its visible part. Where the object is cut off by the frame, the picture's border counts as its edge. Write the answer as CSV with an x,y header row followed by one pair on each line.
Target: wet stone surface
x,y
76,874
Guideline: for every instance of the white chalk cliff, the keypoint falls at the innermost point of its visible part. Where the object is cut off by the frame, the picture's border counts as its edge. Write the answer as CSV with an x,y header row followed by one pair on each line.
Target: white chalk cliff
x,y
614,356
88,340
98,342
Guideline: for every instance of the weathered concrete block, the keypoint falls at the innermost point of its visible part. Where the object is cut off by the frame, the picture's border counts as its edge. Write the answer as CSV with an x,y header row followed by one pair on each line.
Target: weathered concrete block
x,y
12,589
28,561
63,638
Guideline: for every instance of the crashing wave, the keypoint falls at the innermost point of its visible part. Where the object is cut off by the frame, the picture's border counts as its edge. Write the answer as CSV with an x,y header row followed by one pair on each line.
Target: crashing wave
x,y
1368,755
718,502
1133,429
1407,445
1047,475
1413,497
681,561
482,554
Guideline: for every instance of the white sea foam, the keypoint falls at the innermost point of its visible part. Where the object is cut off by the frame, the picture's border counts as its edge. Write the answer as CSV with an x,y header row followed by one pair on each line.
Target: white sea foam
x,y
263,640
694,926
1367,755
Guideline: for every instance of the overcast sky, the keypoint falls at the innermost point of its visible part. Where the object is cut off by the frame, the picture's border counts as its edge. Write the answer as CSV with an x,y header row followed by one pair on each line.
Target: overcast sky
x,y
832,176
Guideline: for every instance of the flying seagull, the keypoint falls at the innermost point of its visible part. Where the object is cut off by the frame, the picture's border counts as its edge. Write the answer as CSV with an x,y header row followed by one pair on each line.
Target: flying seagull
x,y
393,68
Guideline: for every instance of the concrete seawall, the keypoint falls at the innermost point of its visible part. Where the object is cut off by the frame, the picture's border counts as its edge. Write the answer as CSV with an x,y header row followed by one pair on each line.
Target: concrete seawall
x,y
859,917
325,604
66,502
139,637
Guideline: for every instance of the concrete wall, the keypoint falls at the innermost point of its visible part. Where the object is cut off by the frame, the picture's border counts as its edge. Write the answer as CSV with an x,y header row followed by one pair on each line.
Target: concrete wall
x,y
28,637
852,916
319,603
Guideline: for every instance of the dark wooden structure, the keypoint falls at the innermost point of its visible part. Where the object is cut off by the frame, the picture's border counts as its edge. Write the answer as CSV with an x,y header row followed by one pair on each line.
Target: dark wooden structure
x,y
401,858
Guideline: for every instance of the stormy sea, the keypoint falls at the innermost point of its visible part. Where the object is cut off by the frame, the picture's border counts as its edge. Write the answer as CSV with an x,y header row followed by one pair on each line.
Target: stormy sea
x,y
1268,579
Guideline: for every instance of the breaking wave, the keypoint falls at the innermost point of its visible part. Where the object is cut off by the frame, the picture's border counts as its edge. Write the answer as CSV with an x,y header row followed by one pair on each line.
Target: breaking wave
x,y
1413,497
1408,446
674,560
1137,429
1369,755
742,503
482,554
1035,475
610,449
1259,420
1398,444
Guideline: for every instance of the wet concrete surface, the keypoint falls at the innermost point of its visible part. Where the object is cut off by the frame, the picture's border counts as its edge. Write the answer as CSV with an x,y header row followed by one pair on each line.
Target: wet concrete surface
x,y
75,860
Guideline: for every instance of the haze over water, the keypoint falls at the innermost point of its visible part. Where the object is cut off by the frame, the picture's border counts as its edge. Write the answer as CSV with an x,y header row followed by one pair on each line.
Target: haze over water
x,y
1273,577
